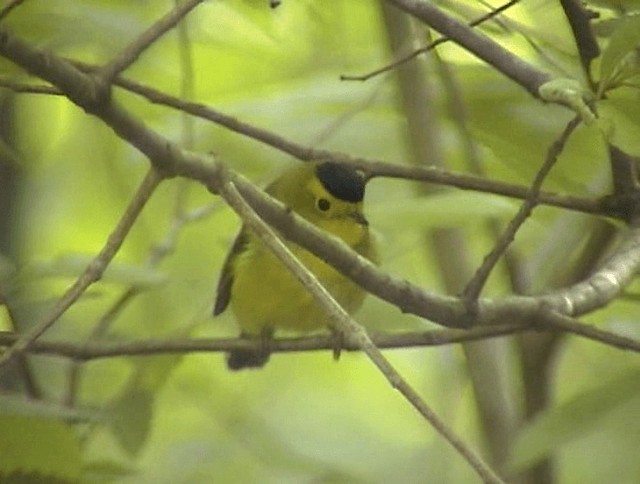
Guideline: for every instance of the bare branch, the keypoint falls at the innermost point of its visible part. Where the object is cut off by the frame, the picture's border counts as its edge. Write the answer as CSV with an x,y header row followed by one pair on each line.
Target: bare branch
x,y
479,44
579,19
601,206
110,71
6,10
77,86
340,321
427,48
555,320
92,350
372,168
448,311
93,271
626,182
477,282
21,87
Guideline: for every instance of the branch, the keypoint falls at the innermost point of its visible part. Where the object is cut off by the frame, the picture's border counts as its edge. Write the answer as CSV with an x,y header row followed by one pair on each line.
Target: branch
x,y
605,284
626,182
93,350
427,48
448,311
477,282
477,43
555,320
579,19
340,321
110,71
6,10
22,88
93,272
372,168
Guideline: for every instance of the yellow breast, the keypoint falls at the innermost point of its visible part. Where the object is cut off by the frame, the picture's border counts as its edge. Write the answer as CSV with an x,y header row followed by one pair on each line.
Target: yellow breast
x,y
267,296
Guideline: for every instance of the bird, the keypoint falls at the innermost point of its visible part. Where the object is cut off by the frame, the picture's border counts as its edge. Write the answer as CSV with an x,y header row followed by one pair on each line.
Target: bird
x,y
262,294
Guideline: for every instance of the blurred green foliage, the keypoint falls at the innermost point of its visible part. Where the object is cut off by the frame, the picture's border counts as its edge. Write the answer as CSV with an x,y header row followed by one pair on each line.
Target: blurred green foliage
x,y
303,418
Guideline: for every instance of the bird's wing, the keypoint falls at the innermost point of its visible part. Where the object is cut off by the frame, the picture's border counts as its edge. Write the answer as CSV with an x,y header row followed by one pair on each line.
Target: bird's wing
x,y
223,295
239,245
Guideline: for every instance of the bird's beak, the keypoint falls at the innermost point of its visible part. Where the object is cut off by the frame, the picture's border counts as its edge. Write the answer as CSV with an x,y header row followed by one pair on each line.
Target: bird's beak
x,y
359,218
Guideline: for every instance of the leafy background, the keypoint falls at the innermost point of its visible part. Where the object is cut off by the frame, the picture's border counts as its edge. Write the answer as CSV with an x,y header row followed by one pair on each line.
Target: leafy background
x,y
303,418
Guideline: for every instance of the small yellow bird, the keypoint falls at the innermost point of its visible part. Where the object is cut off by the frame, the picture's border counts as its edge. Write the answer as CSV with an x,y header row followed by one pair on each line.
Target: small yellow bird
x,y
263,294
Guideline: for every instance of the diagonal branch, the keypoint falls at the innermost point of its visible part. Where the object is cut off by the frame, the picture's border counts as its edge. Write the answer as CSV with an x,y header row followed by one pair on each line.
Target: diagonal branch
x,y
477,282
93,272
7,9
608,206
477,43
340,321
427,48
127,57
594,292
561,322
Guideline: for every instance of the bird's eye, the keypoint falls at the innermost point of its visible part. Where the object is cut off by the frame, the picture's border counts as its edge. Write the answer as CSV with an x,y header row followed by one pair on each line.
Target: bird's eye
x,y
323,204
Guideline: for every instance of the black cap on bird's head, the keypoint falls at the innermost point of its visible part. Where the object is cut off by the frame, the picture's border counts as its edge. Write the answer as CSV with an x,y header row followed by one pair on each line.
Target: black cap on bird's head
x,y
341,181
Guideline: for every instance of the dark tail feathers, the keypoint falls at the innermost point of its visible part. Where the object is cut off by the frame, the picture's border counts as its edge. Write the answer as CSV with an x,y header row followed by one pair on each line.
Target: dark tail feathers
x,y
241,359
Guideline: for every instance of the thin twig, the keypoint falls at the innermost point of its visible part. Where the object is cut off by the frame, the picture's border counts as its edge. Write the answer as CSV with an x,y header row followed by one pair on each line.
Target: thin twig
x,y
127,57
93,271
157,253
477,282
168,157
426,48
553,319
340,321
92,350
523,73
23,88
180,218
372,168
75,369
6,10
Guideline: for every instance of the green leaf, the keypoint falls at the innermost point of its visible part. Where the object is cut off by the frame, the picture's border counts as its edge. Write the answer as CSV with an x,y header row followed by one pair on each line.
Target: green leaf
x,y
571,420
625,39
131,418
31,445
